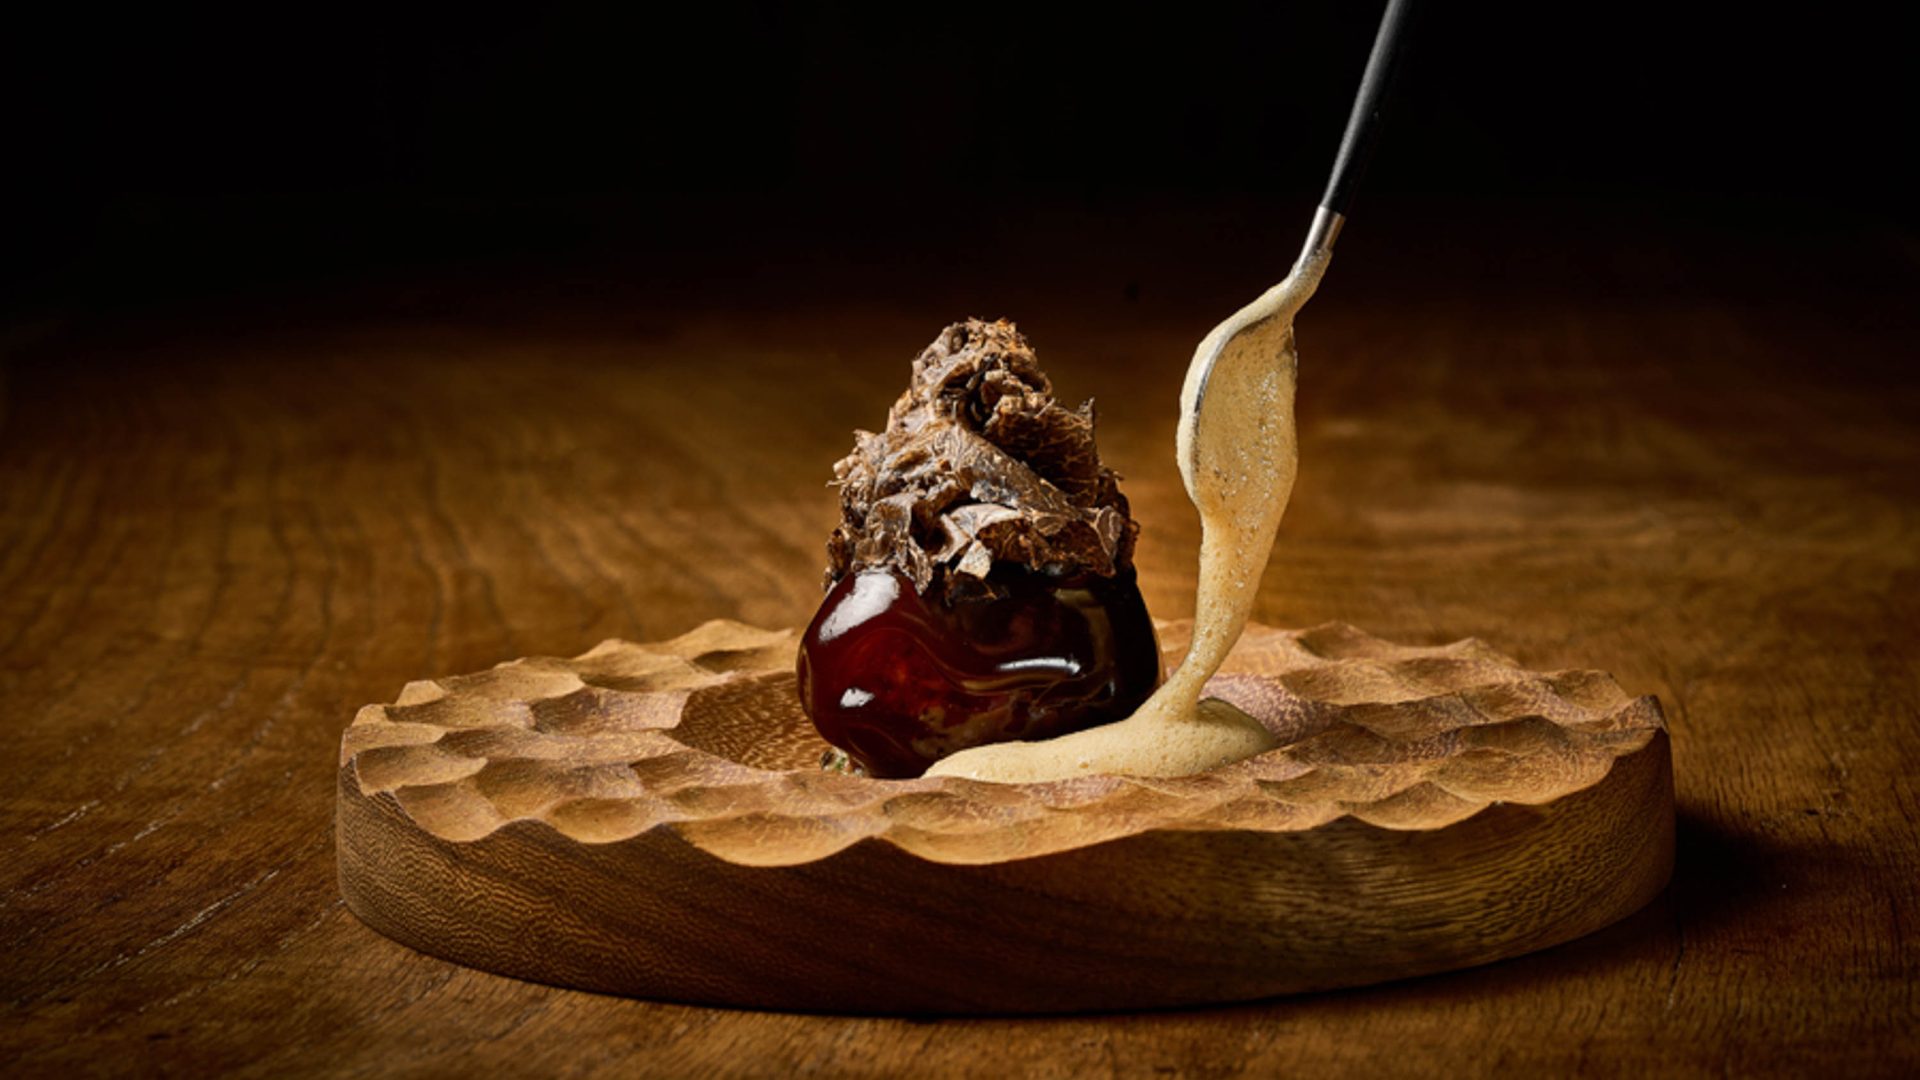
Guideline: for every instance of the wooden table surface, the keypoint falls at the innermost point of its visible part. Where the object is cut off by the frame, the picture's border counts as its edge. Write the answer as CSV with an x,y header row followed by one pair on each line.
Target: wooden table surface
x,y
230,521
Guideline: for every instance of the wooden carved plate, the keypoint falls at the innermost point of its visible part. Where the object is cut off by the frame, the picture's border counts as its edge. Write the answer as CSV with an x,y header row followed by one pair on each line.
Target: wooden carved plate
x,y
652,820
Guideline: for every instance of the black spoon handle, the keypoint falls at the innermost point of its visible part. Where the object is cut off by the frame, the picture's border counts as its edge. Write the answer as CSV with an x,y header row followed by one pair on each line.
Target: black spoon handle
x,y
1363,126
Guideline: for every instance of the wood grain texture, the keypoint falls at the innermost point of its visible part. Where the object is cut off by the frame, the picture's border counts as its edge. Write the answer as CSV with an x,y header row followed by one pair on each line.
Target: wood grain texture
x,y
227,527
652,820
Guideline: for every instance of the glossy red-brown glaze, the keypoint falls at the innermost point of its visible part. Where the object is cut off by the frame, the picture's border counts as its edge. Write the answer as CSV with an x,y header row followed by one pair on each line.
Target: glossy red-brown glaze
x,y
899,681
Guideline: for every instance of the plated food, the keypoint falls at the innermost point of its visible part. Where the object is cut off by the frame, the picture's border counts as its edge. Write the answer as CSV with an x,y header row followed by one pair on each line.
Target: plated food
x,y
652,818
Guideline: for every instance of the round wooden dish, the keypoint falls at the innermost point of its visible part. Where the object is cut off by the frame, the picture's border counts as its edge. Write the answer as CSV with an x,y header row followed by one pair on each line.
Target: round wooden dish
x,y
651,820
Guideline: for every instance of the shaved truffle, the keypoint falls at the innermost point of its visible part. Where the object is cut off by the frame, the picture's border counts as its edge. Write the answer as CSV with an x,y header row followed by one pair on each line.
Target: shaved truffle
x,y
979,466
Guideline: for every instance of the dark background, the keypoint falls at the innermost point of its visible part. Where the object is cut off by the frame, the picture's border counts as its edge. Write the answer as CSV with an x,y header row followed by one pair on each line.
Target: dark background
x,y
156,154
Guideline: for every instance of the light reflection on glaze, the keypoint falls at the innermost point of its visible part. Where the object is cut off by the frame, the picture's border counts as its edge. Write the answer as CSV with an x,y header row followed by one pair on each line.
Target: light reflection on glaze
x,y
872,595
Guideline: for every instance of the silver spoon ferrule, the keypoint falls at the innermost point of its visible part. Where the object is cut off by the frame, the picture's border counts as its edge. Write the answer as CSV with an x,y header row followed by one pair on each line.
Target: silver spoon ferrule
x,y
1321,234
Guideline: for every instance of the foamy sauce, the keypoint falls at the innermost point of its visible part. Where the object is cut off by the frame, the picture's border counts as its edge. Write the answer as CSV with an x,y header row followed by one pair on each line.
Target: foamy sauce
x,y
1238,455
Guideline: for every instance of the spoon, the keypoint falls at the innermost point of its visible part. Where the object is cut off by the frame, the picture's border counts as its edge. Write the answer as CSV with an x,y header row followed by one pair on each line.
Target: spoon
x,y
1238,455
